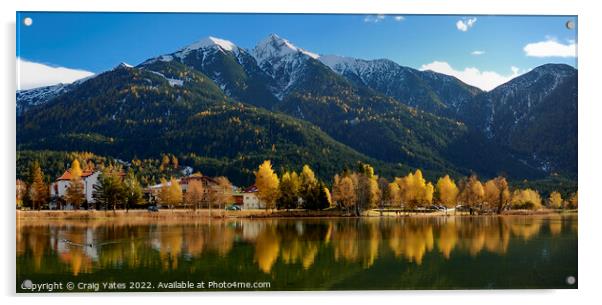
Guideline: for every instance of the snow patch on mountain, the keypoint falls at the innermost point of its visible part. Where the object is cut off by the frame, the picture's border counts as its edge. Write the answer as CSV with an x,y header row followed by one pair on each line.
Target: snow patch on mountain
x,y
172,81
123,65
282,61
274,47
207,43
520,95
366,70
39,96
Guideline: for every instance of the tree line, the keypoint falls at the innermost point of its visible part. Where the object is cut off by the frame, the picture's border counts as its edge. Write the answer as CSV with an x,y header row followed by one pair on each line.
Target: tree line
x,y
360,190
116,189
353,191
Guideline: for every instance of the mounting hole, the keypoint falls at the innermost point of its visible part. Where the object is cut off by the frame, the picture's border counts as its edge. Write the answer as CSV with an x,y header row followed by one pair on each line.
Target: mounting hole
x,y
571,280
570,25
27,284
27,21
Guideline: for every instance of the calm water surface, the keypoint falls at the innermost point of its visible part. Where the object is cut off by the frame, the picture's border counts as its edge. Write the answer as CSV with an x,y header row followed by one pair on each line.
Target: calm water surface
x,y
306,254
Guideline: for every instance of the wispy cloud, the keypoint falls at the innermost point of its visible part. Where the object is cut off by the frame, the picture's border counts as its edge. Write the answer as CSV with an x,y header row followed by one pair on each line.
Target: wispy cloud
x,y
485,80
374,18
551,48
465,24
32,74
477,52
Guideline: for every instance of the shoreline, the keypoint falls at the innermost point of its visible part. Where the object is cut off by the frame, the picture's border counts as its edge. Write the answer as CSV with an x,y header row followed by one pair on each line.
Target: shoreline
x,y
251,214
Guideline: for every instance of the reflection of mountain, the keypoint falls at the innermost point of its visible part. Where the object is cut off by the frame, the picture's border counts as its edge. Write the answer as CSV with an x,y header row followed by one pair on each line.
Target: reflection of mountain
x,y
270,245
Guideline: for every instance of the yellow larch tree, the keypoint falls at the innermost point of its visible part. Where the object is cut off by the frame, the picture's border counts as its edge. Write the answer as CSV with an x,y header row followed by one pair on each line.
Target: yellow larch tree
x,y
555,200
267,184
447,191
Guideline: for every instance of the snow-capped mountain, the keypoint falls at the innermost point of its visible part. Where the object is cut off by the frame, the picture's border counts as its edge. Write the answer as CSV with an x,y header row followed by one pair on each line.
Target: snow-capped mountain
x,y
534,114
426,90
360,103
201,55
42,95
38,96
282,61
231,67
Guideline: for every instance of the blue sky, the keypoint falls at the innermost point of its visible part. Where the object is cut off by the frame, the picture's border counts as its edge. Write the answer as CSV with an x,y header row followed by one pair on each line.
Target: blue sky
x,y
472,48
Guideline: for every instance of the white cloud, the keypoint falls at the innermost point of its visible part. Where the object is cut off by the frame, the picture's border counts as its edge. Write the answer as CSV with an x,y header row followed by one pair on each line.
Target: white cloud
x,y
374,18
399,18
33,74
485,80
477,52
551,48
465,24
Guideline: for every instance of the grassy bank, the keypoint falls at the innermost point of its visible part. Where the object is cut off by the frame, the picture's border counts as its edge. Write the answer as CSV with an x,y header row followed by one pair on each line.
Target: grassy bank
x,y
203,213
167,214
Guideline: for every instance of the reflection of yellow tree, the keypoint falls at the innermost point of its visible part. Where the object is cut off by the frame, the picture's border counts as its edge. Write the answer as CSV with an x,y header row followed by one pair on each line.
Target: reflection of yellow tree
x,y
357,242
300,251
373,241
497,237
74,254
345,244
267,247
526,228
37,242
411,241
491,234
171,246
221,238
555,223
448,237
195,243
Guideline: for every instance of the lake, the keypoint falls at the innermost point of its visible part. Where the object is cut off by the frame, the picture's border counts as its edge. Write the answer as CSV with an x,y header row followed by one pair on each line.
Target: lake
x,y
464,252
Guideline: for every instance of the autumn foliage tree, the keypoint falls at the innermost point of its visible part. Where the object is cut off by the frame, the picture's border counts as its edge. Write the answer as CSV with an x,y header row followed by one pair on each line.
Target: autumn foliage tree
x,y
343,191
555,200
472,193
133,191
393,194
75,191
39,191
447,191
195,194
526,199
308,187
290,186
497,194
415,190
221,193
267,184
573,202
311,190
366,188
170,193
384,198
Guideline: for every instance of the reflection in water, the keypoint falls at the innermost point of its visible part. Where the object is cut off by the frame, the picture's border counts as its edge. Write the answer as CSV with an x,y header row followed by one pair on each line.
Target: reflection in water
x,y
89,246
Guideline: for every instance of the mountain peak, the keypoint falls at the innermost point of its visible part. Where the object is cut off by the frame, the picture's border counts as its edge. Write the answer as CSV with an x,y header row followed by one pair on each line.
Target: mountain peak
x,y
123,65
555,68
210,42
276,46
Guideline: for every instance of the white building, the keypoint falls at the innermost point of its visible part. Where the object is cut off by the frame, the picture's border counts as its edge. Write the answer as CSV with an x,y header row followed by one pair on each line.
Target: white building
x,y
89,178
250,200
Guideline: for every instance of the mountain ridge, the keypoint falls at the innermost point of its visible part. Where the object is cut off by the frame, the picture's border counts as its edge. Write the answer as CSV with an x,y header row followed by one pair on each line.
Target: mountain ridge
x,y
422,118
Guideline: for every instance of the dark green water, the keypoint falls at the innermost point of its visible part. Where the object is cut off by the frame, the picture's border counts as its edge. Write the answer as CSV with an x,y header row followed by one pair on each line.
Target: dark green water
x,y
302,254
